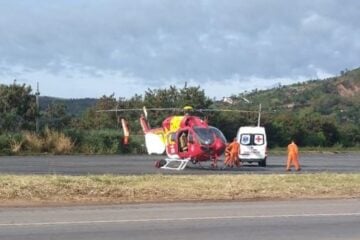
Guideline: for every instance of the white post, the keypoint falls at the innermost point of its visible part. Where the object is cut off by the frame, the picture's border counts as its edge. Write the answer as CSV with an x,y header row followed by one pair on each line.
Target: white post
x,y
37,94
259,115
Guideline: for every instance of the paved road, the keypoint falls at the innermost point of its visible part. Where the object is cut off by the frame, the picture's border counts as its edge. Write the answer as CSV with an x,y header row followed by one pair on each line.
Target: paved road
x,y
281,220
136,164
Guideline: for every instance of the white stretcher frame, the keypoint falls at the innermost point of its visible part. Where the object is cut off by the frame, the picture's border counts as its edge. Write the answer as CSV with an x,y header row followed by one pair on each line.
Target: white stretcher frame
x,y
182,165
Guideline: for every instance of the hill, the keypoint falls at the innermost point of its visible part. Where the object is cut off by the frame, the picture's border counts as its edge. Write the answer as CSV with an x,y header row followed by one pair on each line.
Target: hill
x,y
74,107
337,97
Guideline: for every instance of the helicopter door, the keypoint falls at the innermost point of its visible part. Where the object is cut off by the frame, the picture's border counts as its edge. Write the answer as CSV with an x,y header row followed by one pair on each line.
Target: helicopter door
x,y
171,147
183,143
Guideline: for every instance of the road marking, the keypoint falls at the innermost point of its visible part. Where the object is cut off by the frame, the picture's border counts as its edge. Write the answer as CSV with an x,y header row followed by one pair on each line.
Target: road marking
x,y
176,219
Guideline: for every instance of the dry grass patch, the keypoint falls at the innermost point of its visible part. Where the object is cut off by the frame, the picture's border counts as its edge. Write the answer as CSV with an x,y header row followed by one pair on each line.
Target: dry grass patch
x,y
15,145
57,142
33,142
151,188
51,141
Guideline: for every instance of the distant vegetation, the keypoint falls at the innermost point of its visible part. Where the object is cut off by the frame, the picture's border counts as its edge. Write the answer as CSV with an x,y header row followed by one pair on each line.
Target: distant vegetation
x,y
316,113
74,107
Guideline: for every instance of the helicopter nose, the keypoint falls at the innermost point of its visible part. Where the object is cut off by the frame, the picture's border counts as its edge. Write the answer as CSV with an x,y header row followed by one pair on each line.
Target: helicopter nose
x,y
205,148
208,149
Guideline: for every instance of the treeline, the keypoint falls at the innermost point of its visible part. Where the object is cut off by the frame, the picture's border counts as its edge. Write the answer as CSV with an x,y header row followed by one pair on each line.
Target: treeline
x,y
61,132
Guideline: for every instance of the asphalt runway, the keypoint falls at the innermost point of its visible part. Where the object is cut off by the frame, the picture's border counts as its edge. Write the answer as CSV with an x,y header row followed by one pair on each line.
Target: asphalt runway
x,y
144,164
269,220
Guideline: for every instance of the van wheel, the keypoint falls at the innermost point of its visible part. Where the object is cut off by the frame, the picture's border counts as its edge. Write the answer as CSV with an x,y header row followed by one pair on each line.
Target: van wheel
x,y
262,163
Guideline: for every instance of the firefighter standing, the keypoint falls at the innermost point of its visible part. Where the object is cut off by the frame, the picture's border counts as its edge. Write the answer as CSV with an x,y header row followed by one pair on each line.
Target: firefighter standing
x,y
293,157
232,154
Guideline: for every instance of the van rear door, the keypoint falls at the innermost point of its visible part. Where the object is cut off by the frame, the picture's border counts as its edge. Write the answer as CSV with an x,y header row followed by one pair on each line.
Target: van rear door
x,y
252,145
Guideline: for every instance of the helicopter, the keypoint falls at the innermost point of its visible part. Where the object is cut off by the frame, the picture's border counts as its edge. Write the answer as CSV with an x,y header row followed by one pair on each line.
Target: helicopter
x,y
184,138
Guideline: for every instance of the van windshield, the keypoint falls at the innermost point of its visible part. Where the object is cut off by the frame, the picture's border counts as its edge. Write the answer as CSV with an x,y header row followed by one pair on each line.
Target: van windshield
x,y
252,139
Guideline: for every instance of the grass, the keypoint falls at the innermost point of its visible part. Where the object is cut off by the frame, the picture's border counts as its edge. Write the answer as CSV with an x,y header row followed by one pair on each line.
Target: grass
x,y
163,188
57,142
51,141
33,142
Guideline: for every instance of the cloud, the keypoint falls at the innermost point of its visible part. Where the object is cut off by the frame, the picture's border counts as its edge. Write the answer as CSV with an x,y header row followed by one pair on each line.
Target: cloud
x,y
153,43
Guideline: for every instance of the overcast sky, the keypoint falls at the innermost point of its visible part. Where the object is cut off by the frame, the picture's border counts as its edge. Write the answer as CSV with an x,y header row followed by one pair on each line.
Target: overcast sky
x,y
87,48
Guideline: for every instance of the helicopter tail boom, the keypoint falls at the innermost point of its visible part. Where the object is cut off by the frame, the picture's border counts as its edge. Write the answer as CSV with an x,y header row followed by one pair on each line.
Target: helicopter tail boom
x,y
125,128
144,124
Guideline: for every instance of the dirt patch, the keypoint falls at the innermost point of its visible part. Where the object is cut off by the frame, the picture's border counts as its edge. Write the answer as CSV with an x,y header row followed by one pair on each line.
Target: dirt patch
x,y
347,92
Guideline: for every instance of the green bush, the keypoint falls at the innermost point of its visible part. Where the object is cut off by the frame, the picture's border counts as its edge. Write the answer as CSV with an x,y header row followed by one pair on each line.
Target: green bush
x,y
4,144
107,141
11,143
136,145
100,142
76,135
89,141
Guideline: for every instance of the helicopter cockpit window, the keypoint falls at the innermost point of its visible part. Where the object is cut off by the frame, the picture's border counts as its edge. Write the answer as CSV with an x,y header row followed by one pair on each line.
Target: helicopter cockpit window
x,y
205,135
190,138
218,133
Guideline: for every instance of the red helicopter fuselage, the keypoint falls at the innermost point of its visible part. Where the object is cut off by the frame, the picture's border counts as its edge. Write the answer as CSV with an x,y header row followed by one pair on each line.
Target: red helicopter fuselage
x,y
188,137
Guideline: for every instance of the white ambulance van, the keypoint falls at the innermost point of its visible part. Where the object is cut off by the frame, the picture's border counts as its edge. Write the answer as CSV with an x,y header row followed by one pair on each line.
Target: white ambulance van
x,y
253,145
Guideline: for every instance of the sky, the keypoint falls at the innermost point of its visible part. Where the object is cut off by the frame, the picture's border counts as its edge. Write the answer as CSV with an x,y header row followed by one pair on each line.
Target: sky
x,y
90,48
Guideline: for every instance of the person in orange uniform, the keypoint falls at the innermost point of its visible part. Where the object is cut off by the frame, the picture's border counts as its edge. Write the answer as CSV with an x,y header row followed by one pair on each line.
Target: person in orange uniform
x,y
232,154
227,160
293,157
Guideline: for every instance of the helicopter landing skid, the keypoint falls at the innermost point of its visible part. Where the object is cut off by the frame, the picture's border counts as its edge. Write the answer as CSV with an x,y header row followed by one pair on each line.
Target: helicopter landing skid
x,y
168,163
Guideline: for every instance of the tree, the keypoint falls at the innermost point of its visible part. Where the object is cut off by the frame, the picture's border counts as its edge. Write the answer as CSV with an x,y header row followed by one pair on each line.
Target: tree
x,y
94,119
17,108
174,98
350,135
331,133
194,97
56,116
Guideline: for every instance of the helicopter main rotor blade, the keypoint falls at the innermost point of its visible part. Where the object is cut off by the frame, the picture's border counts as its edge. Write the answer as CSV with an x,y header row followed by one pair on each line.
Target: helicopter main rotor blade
x,y
225,110
144,110
139,109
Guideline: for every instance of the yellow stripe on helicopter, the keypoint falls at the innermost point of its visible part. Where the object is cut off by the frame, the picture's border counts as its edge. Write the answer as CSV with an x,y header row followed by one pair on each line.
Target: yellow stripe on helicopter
x,y
175,123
